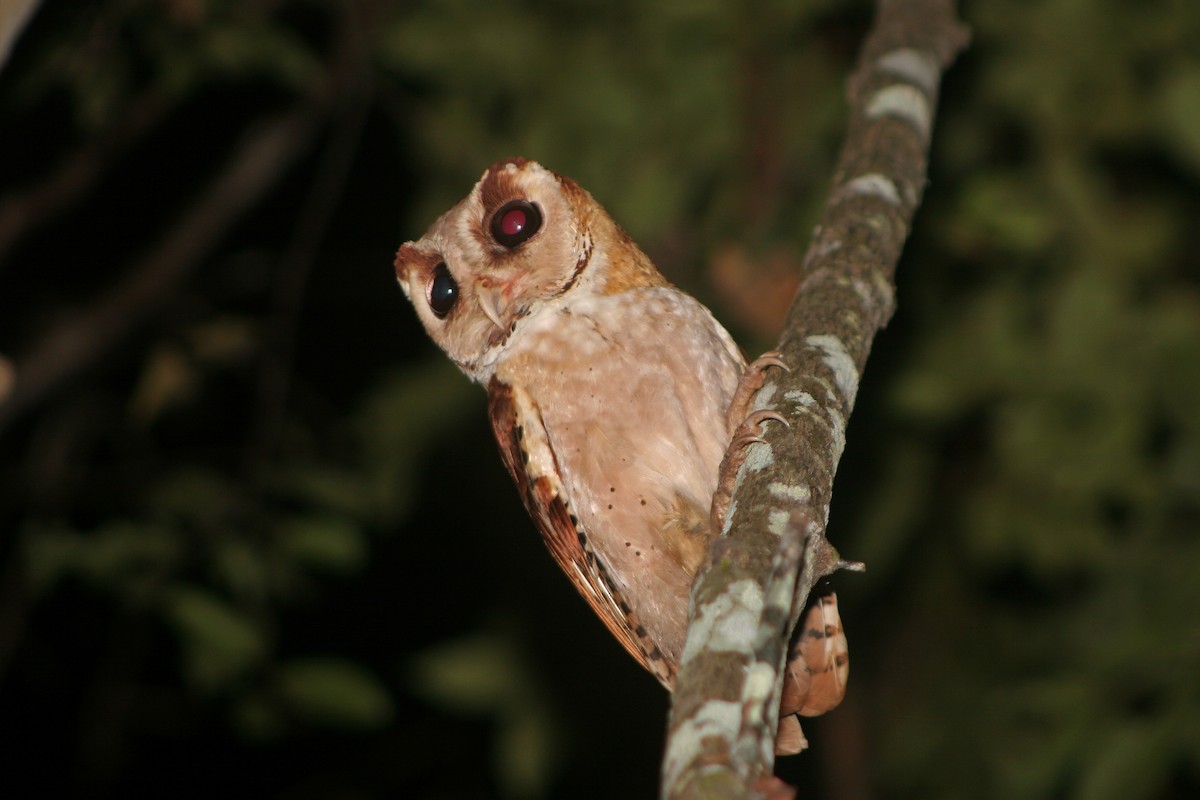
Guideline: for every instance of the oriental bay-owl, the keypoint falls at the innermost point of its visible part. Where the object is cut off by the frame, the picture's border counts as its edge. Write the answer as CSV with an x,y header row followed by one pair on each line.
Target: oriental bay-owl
x,y
610,395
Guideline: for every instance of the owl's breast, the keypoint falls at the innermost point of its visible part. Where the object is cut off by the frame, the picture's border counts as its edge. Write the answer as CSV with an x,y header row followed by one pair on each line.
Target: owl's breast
x,y
632,390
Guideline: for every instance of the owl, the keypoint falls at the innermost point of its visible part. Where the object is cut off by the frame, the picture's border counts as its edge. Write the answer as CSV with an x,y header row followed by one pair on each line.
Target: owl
x,y
610,394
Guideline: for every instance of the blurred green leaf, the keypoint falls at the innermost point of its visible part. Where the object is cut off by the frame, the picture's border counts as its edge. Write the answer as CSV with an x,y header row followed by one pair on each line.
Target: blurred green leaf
x,y
131,558
399,421
1007,213
1131,762
326,543
220,644
196,496
335,692
1179,113
484,674
473,674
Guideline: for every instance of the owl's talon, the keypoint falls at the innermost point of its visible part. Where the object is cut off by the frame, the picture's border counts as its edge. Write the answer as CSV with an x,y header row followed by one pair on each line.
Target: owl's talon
x,y
748,433
747,428
771,358
752,380
762,415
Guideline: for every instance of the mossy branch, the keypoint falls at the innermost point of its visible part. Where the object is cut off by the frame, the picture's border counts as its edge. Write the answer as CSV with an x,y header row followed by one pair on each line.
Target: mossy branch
x,y
773,550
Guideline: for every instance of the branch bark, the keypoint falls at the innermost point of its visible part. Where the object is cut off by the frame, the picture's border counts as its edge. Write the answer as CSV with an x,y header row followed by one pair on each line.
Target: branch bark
x,y
773,549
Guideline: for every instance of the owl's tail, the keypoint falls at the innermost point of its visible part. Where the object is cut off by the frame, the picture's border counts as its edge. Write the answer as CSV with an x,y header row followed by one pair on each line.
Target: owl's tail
x,y
817,669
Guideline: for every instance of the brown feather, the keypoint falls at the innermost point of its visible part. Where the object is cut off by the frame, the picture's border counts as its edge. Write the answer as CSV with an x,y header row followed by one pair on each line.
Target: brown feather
x,y
546,501
819,663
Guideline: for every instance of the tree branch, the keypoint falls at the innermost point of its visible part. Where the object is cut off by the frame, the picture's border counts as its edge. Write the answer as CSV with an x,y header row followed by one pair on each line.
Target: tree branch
x,y
23,211
75,345
14,15
773,550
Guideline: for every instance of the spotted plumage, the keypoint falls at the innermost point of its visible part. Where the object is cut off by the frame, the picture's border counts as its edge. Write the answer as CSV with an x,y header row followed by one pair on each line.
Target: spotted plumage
x,y
608,391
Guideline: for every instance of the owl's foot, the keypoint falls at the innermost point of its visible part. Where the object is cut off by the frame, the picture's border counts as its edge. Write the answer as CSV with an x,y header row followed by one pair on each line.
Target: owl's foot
x,y
771,787
789,739
752,380
746,433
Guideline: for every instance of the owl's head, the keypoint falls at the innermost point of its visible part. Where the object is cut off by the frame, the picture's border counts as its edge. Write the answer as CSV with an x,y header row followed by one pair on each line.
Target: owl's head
x,y
524,238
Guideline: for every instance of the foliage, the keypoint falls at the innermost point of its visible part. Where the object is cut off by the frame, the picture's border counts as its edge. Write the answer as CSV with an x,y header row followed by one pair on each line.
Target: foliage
x,y
266,526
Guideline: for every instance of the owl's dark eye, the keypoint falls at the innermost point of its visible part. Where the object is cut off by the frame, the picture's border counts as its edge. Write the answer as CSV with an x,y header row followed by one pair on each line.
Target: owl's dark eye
x,y
443,291
515,222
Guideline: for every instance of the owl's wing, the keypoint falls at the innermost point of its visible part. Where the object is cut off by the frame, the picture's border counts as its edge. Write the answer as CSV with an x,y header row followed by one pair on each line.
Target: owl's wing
x,y
529,455
816,673
819,663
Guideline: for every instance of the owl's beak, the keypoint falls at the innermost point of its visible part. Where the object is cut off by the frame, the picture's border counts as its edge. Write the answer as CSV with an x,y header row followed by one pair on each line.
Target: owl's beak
x,y
491,301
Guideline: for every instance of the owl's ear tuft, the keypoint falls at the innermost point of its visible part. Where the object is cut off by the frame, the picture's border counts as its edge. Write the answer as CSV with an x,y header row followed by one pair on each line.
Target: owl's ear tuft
x,y
501,183
409,260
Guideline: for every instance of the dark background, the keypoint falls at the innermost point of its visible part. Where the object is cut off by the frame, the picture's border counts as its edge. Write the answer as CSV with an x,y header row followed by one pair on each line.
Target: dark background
x,y
254,535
